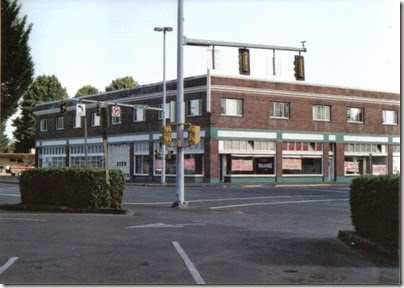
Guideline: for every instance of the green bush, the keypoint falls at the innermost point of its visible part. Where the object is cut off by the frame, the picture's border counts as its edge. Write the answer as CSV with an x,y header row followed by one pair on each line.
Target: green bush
x,y
72,187
374,204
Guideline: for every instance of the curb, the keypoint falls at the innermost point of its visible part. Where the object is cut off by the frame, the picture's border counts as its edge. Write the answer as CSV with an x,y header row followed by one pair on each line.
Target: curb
x,y
63,209
352,239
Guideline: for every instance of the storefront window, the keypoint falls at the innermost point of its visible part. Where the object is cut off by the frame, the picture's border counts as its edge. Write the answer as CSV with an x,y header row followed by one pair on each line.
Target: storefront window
x,y
365,165
142,164
301,166
250,165
193,165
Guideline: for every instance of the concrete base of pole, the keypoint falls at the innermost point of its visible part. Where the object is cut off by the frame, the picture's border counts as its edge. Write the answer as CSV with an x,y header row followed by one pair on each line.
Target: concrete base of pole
x,y
179,205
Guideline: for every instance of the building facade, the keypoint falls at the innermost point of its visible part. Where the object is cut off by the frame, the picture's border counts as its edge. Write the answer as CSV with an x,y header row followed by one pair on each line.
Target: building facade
x,y
251,131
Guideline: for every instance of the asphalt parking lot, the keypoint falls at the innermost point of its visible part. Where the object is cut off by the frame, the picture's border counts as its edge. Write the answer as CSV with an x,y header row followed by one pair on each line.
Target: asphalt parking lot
x,y
228,235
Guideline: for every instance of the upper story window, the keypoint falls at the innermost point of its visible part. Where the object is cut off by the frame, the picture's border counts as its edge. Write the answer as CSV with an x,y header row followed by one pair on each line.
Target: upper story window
x,y
389,117
60,123
139,115
43,125
77,121
193,107
279,110
231,107
117,120
95,119
169,110
321,113
355,115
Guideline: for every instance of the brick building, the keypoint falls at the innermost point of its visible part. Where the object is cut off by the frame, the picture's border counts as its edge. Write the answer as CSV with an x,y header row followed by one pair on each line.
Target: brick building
x,y
251,131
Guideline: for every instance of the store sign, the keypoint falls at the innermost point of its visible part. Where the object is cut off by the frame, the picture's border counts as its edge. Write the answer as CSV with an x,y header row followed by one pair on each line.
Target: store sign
x,y
351,167
241,165
379,169
291,164
189,164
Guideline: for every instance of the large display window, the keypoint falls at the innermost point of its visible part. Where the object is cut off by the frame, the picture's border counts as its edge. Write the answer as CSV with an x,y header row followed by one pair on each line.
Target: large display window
x,y
250,165
365,159
302,158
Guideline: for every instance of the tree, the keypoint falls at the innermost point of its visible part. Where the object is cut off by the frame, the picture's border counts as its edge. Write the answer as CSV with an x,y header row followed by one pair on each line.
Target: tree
x,y
17,67
86,90
4,141
43,89
122,83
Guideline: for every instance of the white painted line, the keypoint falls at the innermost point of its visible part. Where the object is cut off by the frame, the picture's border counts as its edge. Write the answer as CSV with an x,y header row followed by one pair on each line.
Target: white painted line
x,y
12,195
191,267
157,225
8,264
276,203
321,190
22,219
223,199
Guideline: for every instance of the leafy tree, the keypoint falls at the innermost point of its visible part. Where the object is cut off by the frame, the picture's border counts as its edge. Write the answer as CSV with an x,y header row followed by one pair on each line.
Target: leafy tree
x,y
122,83
17,67
4,141
86,90
43,89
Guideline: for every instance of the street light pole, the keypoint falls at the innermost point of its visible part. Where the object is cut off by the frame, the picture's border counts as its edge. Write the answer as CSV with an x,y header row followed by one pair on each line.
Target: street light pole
x,y
163,147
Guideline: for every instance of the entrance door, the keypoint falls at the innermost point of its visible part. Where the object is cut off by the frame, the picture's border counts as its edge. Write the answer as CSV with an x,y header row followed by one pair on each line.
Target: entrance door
x,y
331,169
118,158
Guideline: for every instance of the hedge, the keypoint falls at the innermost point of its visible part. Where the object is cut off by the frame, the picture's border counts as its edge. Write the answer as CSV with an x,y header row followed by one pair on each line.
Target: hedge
x,y
374,204
72,187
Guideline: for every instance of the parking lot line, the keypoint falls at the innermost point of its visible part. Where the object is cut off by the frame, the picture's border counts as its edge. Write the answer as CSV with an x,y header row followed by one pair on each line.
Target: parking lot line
x,y
277,203
191,267
12,195
8,264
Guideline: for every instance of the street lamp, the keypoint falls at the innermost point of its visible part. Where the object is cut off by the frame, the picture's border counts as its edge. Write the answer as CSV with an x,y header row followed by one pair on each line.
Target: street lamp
x,y
163,147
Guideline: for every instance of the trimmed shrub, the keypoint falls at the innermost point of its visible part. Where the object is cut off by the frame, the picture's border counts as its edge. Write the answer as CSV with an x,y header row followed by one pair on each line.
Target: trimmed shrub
x,y
72,187
374,204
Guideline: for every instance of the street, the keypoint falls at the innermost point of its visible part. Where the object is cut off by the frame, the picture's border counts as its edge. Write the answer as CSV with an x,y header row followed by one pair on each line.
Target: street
x,y
248,234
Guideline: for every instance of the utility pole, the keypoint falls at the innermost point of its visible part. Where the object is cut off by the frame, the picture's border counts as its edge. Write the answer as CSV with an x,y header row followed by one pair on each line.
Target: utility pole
x,y
180,113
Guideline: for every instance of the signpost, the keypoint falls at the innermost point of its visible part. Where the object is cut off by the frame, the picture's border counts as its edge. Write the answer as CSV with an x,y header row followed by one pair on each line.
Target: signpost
x,y
81,112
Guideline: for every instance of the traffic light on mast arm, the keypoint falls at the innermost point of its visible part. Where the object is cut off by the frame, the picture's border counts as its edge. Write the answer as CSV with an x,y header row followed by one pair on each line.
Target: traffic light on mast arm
x,y
166,138
299,67
63,107
194,134
244,61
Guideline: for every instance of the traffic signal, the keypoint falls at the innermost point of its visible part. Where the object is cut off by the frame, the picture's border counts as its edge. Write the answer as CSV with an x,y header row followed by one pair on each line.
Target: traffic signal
x,y
244,61
193,134
98,111
166,138
299,67
63,107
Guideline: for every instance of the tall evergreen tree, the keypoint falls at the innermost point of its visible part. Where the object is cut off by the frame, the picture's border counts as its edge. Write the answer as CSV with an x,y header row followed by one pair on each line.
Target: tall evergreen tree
x,y
17,67
43,89
122,83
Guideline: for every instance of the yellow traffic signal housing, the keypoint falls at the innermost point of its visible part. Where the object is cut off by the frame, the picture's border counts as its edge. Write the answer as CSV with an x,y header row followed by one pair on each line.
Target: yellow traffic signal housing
x,y
194,134
166,138
299,67
63,107
244,61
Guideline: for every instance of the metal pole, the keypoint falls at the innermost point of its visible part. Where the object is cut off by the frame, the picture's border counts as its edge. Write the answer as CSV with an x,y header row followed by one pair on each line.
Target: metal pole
x,y
163,147
85,141
180,100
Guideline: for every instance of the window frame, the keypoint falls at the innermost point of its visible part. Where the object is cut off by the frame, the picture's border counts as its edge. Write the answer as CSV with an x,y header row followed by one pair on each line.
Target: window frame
x,y
57,124
41,127
384,117
349,119
272,110
225,113
74,121
188,108
93,118
134,115
321,119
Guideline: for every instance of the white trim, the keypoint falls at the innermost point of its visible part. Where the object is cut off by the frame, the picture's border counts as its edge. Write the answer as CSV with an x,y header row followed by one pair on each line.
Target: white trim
x,y
396,154
246,134
396,139
298,136
81,141
53,142
156,136
128,138
366,139
332,137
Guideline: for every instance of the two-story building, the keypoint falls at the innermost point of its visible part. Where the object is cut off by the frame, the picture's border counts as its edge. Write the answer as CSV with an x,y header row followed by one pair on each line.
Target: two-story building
x,y
252,130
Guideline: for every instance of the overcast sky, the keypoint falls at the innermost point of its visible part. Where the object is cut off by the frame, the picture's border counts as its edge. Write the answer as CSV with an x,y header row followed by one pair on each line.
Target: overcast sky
x,y
92,42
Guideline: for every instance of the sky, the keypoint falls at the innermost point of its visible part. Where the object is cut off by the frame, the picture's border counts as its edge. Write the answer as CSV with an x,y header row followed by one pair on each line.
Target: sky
x,y
353,44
